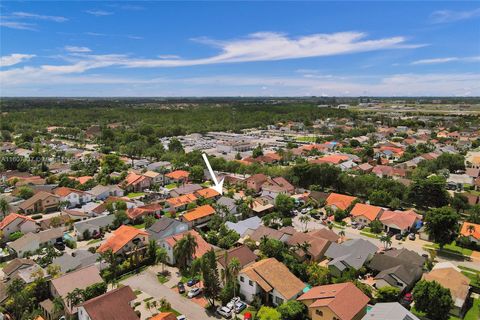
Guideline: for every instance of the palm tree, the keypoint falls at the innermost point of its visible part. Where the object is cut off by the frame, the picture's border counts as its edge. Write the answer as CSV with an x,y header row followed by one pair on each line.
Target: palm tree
x,y
110,258
471,228
57,305
342,234
305,219
161,257
304,246
4,206
184,250
152,250
386,240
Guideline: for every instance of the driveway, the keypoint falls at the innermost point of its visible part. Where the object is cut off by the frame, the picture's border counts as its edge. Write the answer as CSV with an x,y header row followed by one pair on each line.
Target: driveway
x,y
148,283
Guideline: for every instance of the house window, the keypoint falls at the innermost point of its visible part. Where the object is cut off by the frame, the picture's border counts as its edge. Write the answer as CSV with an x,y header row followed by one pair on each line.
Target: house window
x,y
319,313
242,279
335,318
250,282
278,301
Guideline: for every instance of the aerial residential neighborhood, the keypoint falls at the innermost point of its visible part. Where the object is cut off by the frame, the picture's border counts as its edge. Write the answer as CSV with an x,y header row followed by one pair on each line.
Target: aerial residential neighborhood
x,y
249,160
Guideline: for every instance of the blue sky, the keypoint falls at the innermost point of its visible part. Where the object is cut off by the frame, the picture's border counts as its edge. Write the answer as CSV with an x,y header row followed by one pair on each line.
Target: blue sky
x,y
141,48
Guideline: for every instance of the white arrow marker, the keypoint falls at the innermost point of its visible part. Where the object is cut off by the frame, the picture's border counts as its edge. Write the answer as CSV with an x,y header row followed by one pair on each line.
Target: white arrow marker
x,y
218,186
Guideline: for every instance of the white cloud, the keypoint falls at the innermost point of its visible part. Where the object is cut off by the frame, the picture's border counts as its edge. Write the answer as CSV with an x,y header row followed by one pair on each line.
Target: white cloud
x,y
18,25
445,16
14,58
99,13
28,15
446,60
77,49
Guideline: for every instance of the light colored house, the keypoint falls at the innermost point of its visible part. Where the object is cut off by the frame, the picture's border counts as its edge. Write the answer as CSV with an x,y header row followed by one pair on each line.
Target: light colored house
x,y
338,201
166,227
177,176
115,304
33,241
93,225
168,244
275,186
450,277
17,223
390,311
72,196
399,221
79,279
271,280
198,216
157,178
100,192
243,254
180,203
341,301
365,213
40,202
125,239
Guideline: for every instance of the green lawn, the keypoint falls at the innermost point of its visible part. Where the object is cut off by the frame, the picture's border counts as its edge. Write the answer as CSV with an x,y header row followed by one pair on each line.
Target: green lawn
x,y
306,139
368,234
162,279
140,225
472,314
171,186
94,241
135,194
206,184
452,248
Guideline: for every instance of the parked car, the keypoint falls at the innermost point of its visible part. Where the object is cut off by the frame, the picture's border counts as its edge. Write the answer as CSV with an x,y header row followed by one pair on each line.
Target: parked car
x,y
225,312
240,306
181,287
181,317
194,292
411,236
361,226
407,299
59,245
398,236
192,282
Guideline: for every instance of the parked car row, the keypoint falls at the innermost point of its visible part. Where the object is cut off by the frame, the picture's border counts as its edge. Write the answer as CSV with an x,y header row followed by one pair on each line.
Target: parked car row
x,y
234,306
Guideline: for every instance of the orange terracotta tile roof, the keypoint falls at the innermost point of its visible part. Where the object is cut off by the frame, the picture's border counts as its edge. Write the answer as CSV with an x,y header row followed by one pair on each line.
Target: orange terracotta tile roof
x,y
466,232
137,212
202,246
369,211
178,174
164,316
341,201
401,219
199,212
332,159
11,217
65,191
344,299
181,200
207,193
83,179
133,178
120,238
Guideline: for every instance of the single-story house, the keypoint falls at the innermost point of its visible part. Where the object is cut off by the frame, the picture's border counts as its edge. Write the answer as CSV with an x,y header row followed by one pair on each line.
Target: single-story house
x,y
365,213
93,225
351,254
198,216
125,239
166,227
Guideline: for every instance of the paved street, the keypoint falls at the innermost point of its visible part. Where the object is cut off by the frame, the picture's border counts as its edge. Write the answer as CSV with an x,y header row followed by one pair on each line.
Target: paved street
x,y
148,283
